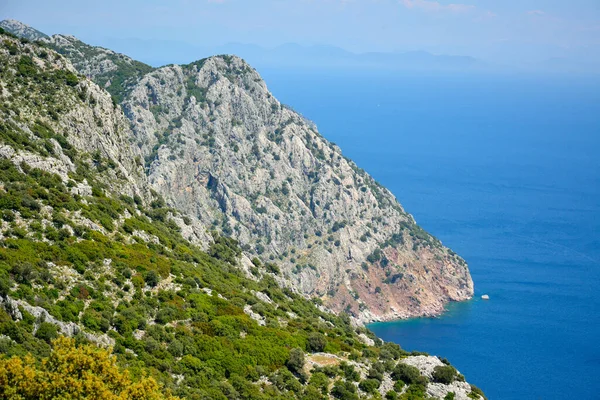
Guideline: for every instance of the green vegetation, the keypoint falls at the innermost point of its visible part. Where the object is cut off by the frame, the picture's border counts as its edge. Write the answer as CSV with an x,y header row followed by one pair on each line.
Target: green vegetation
x,y
476,392
444,374
73,372
408,374
122,78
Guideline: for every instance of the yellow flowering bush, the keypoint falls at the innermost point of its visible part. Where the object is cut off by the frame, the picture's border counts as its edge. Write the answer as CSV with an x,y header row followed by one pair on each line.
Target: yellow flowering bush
x,y
73,372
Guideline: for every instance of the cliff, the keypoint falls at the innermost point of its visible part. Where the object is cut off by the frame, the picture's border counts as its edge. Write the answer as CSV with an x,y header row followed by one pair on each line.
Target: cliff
x,y
222,149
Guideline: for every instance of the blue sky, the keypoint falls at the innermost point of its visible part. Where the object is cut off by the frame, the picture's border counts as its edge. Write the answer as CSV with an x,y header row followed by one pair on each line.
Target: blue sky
x,y
507,31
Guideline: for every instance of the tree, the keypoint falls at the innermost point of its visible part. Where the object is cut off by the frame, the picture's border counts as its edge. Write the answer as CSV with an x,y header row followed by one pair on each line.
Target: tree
x,y
344,391
320,381
84,372
151,278
296,360
312,393
316,342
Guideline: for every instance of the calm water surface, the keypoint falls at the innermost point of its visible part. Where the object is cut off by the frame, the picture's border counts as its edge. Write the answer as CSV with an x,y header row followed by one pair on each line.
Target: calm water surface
x,y
506,171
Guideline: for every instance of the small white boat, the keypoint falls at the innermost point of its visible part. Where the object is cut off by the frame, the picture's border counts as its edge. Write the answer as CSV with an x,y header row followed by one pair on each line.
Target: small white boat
x,y
485,297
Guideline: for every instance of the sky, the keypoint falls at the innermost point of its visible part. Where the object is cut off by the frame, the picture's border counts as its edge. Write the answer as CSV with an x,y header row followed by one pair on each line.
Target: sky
x,y
500,31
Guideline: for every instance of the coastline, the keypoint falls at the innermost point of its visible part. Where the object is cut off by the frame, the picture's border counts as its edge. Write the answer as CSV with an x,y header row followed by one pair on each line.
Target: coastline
x,y
368,318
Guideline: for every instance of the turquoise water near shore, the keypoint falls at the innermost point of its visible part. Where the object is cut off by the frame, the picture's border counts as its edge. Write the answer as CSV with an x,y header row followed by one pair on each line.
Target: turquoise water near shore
x,y
505,170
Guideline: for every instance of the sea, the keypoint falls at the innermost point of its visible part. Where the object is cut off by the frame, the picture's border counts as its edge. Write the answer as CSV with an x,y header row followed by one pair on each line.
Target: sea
x,y
505,170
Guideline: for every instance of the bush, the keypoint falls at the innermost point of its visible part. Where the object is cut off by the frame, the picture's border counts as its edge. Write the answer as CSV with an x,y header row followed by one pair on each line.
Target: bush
x,y
72,372
476,392
445,374
407,374
273,268
151,278
47,332
391,395
344,391
26,67
320,381
316,342
369,385
296,360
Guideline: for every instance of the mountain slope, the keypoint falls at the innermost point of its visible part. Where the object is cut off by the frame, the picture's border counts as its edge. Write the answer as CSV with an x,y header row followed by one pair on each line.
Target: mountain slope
x,y
89,250
220,147
113,71
19,29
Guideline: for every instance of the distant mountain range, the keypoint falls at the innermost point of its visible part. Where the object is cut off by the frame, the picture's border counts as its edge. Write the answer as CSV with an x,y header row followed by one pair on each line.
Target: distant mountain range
x,y
158,53
294,55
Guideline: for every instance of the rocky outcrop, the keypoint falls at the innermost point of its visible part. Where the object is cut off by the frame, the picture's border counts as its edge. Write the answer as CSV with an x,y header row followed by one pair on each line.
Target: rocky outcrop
x,y
84,115
19,29
221,148
42,315
426,365
113,71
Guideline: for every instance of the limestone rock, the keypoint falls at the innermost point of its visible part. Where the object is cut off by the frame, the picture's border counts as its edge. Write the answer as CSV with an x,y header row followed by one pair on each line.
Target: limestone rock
x,y
222,149
21,30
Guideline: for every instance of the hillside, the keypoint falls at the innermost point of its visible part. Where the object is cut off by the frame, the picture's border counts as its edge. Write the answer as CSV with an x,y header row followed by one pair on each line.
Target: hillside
x,y
218,146
21,30
221,149
89,249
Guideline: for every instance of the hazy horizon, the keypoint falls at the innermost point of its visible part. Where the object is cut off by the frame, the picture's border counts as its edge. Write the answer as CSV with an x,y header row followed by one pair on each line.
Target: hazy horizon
x,y
530,35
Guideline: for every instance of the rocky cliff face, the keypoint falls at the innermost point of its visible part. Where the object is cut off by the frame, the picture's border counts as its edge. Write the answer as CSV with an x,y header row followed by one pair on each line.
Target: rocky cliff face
x,y
221,148
81,117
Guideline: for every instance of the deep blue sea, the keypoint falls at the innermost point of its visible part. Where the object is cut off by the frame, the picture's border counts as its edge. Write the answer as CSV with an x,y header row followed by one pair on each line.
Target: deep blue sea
x,y
505,170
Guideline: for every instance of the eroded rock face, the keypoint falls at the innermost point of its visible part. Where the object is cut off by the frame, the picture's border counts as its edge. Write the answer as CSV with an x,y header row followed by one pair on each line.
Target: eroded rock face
x,y
222,149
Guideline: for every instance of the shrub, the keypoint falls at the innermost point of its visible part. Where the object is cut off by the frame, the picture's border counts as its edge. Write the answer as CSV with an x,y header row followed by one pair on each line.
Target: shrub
x,y
296,360
47,332
73,372
476,392
407,374
369,385
320,381
344,391
273,268
316,342
350,373
151,278
444,374
391,395
26,67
